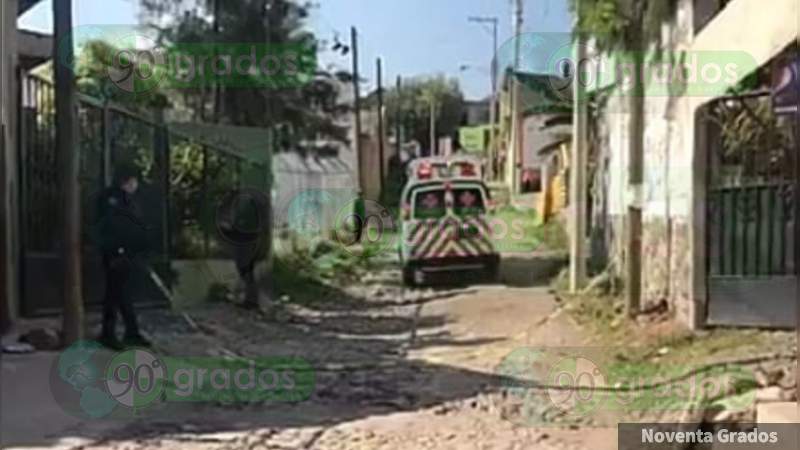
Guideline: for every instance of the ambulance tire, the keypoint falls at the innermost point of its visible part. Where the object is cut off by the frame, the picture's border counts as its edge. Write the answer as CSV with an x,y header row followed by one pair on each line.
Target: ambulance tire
x,y
408,277
492,273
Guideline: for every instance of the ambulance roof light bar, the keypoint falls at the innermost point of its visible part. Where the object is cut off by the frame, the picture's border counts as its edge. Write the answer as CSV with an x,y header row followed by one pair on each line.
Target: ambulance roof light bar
x,y
437,167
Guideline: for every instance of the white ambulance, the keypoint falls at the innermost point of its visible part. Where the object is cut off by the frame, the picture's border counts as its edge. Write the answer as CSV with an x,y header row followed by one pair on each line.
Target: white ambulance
x,y
444,225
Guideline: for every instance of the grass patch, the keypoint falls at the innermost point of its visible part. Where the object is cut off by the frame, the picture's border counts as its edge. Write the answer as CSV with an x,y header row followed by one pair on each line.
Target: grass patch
x,y
525,232
604,319
554,236
312,274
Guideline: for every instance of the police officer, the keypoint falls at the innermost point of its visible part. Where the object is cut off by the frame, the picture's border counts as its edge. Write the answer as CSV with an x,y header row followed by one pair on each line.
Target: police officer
x,y
122,235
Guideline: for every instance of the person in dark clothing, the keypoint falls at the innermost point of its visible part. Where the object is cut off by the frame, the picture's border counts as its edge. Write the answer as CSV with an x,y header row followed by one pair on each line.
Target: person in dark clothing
x,y
242,220
122,235
360,213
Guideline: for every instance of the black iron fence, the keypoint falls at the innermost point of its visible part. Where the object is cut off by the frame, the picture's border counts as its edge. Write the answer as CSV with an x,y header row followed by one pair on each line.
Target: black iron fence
x,y
752,181
183,181
752,232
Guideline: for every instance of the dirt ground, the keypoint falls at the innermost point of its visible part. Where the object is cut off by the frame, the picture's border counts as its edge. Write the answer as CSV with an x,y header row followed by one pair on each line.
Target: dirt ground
x,y
395,369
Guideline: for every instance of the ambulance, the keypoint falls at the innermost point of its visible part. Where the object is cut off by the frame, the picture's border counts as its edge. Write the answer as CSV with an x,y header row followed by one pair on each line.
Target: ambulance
x,y
444,225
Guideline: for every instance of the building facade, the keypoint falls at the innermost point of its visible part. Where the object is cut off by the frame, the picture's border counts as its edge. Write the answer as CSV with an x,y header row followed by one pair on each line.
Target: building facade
x,y
690,217
521,140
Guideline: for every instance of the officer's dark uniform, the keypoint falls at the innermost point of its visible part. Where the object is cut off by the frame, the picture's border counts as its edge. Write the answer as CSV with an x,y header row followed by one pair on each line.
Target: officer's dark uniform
x,y
122,235
361,215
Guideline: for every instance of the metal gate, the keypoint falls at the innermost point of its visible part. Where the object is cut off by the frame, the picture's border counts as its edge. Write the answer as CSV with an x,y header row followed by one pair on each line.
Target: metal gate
x,y
185,175
752,210
100,130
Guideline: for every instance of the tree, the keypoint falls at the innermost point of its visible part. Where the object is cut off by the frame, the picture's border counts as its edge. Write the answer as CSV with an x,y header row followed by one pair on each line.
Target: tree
x,y
273,22
92,79
630,28
412,105
295,111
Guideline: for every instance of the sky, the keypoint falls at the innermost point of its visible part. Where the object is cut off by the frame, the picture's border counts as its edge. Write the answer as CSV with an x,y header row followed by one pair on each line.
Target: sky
x,y
413,37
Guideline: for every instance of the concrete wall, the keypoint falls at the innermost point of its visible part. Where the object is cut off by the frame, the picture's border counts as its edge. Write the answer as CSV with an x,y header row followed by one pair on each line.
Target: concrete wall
x,y
348,154
370,167
335,172
331,177
508,172
370,158
529,129
532,140
667,187
673,194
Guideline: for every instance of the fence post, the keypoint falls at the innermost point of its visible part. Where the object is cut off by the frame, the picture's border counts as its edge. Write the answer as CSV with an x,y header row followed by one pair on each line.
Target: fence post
x,y
107,171
24,84
205,202
162,158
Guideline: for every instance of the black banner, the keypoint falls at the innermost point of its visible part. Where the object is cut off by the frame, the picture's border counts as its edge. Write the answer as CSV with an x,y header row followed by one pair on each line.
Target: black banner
x,y
718,436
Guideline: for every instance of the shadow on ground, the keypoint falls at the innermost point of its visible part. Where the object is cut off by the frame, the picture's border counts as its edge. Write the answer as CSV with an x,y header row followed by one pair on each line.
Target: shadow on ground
x,y
518,270
359,355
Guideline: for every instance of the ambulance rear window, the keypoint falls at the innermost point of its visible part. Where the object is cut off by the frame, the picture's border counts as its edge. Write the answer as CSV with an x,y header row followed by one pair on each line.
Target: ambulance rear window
x,y
468,202
429,204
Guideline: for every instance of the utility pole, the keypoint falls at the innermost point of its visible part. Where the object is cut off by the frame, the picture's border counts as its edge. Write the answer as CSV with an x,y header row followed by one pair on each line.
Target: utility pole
x,y
217,92
493,121
68,155
578,194
493,21
357,105
381,134
398,113
516,128
434,146
518,14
